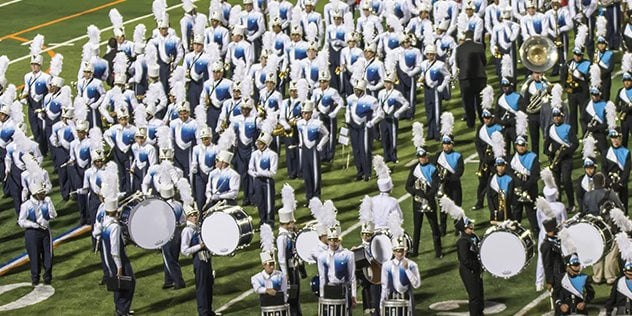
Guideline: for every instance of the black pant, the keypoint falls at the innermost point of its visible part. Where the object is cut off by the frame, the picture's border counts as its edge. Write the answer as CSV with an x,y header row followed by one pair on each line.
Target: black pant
x,y
534,132
562,174
473,283
471,97
531,216
39,247
204,280
295,282
577,101
436,237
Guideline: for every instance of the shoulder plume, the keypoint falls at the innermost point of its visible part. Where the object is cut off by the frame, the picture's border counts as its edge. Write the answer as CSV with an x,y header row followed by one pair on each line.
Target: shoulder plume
x,y
287,197
267,238
487,97
418,135
447,123
449,207
521,123
498,144
547,178
380,167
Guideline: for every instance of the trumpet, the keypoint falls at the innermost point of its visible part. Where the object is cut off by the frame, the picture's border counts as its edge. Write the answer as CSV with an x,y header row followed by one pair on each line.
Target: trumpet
x,y
523,196
338,70
282,74
262,111
443,173
497,53
625,107
557,157
279,130
484,167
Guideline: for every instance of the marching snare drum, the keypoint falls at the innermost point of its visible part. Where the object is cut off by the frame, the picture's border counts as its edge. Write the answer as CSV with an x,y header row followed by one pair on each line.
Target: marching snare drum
x,y
366,266
227,230
592,237
281,310
506,251
395,307
332,307
307,242
149,223
381,247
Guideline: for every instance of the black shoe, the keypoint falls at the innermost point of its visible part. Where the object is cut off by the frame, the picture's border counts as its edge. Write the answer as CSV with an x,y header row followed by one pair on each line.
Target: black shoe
x,y
358,177
443,233
35,283
179,286
166,286
101,282
131,312
439,256
366,179
292,177
477,207
46,282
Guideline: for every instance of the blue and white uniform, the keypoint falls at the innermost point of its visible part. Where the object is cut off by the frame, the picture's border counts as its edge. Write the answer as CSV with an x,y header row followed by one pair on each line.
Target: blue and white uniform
x,y
262,168
120,138
184,135
143,157
312,137
361,115
223,184
399,282
202,164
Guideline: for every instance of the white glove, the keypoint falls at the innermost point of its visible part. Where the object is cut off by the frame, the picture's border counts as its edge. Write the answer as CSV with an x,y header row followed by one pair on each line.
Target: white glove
x,y
319,148
92,104
332,115
440,89
369,124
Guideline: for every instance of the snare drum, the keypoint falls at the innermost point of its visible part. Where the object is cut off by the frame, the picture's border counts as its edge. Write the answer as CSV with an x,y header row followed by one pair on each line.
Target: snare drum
x,y
505,252
307,242
226,230
149,224
281,310
395,308
592,237
332,307
381,247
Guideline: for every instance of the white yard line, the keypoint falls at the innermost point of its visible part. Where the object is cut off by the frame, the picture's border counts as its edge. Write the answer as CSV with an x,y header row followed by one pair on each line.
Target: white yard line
x,y
525,310
73,40
245,294
9,3
470,158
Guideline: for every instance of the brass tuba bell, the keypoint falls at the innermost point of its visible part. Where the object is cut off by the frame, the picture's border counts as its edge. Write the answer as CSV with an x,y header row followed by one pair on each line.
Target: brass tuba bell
x,y
538,53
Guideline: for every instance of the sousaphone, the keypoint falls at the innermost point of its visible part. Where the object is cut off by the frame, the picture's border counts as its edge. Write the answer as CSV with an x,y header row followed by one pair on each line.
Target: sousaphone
x,y
538,53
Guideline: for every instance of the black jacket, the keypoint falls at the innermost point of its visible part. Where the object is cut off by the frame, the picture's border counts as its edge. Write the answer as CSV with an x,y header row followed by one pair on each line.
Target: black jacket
x,y
618,300
552,260
467,252
471,60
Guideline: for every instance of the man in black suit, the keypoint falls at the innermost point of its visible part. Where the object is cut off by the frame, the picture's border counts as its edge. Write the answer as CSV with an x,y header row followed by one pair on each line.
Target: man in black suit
x,y
470,60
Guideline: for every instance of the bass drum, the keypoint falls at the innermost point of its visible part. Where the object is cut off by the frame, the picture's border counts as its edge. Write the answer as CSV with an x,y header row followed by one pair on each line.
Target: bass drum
x,y
506,250
381,246
307,242
149,223
227,230
592,237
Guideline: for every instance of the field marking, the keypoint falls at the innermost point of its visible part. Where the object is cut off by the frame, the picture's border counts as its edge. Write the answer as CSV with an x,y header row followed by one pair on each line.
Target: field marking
x,y
247,293
533,303
73,40
9,3
470,158
64,18
39,294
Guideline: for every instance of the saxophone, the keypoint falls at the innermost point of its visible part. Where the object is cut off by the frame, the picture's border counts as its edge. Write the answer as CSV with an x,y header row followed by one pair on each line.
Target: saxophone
x,y
624,111
422,185
571,84
557,157
443,173
484,167
502,205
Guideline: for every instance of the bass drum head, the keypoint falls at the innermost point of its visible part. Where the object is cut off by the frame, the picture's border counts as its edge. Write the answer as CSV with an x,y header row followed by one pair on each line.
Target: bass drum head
x,y
307,242
503,254
151,223
589,242
381,248
220,233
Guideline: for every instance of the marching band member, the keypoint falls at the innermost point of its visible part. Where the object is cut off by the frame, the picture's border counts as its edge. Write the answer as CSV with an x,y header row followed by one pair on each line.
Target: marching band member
x,y
364,275
533,23
192,245
91,89
328,103
313,137
467,248
290,114
223,181
297,50
202,163
503,36
624,99
312,64
149,186
78,162
450,167
484,148
336,269
493,13
509,102
36,85
445,43
253,23
187,24
383,205
246,127
419,25
535,88
526,168
574,290
270,99
217,90
169,48
393,104
120,138
559,146
31,164
621,294
35,216
604,58
585,182
232,107
336,32
559,24
468,21
349,55
258,73
313,17
408,69
63,133
262,168
400,275
600,112
583,13
576,84
422,184
156,95
54,100
286,249
171,250
550,213
500,195
446,10
216,33
362,114
143,157
616,164
239,49
196,64
184,130
374,70
389,42
270,284
14,164
594,199
368,24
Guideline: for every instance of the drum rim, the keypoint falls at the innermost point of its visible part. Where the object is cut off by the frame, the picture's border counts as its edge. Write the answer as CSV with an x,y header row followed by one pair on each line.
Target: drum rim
x,y
529,253
608,243
371,247
237,224
305,230
131,216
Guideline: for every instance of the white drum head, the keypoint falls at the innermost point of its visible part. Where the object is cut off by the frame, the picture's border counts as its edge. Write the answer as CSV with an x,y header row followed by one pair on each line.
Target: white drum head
x,y
381,248
306,244
220,233
503,254
151,224
589,242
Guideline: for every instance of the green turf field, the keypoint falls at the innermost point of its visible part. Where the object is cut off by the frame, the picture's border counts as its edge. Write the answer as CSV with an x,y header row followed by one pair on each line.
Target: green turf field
x,y
77,270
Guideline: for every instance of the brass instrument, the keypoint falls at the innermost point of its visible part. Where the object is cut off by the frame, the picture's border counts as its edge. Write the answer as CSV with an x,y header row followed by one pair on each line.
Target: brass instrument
x,y
224,125
282,74
615,180
502,205
497,53
422,80
455,79
484,166
279,130
422,185
571,84
557,157
591,125
523,196
262,111
443,173
538,53
338,70
535,103
625,107
596,57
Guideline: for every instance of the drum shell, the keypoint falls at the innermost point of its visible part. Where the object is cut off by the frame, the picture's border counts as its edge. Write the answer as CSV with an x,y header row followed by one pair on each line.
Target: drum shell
x,y
332,307
524,238
242,223
303,242
395,307
279,310
133,208
603,230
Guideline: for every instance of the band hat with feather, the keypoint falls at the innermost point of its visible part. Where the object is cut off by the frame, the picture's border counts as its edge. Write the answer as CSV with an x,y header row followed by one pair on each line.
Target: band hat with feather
x,y
206,132
265,139
190,209
82,126
153,71
521,140
334,232
166,191
68,113
324,75
368,228
198,39
625,247
286,216
308,106
430,49
37,187
360,85
557,112
366,216
141,132
418,139
271,77
267,244
37,59
247,104
225,156
614,133
88,67
390,77
456,212
384,181
217,66
550,190
237,30
97,155
371,48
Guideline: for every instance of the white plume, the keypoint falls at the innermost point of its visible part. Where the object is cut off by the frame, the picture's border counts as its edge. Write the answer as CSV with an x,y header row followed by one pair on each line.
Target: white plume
x,y
315,206
547,177
556,96
366,215
163,133
200,114
429,36
120,63
116,18
521,123
96,139
267,239
498,145
449,207
287,197
110,182
17,112
580,37
418,135
487,97
139,34
393,21
9,95
620,220
140,115
568,244
151,56
311,32
380,167
447,123
626,62
37,45
506,66
199,25
273,10
226,139
390,61
611,115
462,22
590,144
4,65
302,90
543,205
395,224
186,193
600,26
94,35
328,214
625,246
159,8
56,64
595,76
233,17
22,143
239,71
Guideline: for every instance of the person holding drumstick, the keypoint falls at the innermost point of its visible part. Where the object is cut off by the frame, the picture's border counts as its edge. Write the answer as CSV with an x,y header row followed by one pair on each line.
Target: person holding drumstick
x,y
286,249
574,291
270,284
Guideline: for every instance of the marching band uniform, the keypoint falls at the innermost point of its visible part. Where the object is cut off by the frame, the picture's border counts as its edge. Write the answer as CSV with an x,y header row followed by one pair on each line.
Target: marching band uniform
x,y
120,138
91,188
186,26
143,157
426,203
36,85
534,86
500,183
7,129
27,175
265,281
400,277
616,166
583,12
254,24
577,70
483,148
362,113
313,17
383,204
417,25
311,65
605,60
585,182
231,108
449,10
150,182
368,21
624,107
533,23
215,92
313,137
216,33
393,104
290,114
202,163
223,182
572,289
509,103
561,139
63,133
474,22
192,245
595,119
78,163
239,49
297,50
470,268
328,103
171,249
349,55
286,254
526,171
409,67
374,71
196,64
337,268
184,135
450,168
262,167
503,36
246,127
159,99
559,24
91,89
35,216
621,293
336,42
52,106
14,166
551,254
170,51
